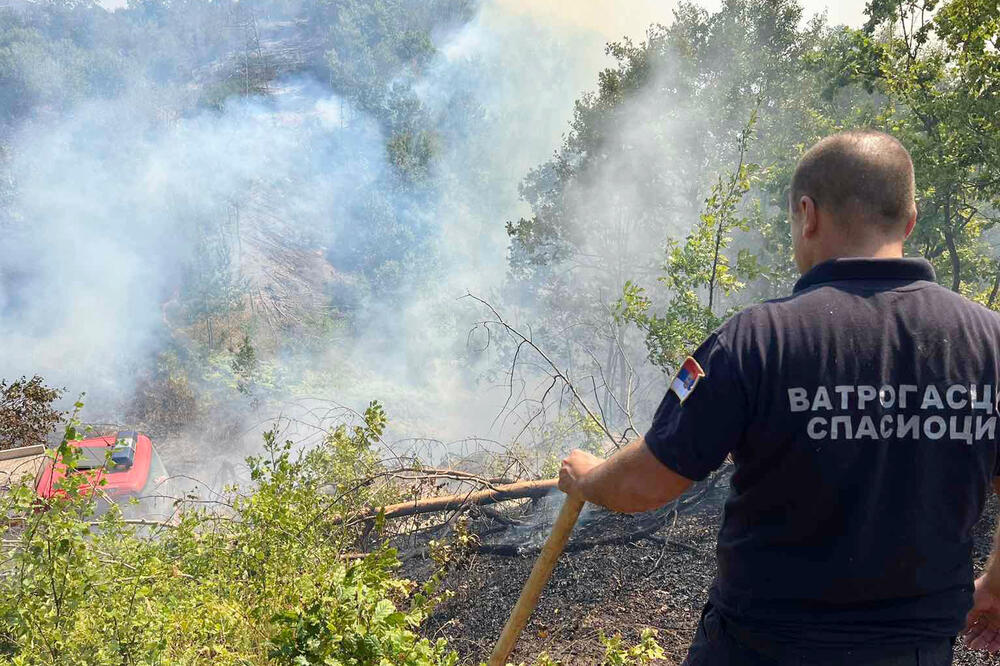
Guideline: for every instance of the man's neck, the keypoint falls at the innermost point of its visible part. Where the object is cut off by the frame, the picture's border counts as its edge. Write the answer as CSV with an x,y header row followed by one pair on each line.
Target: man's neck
x,y
883,251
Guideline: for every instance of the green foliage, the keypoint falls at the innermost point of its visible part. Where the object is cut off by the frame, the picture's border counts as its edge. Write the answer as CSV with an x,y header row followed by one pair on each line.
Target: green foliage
x,y
411,152
375,40
27,414
616,653
245,366
374,49
193,55
698,272
349,458
694,81
213,288
164,398
643,149
457,549
932,61
634,169
39,70
260,578
647,650
355,622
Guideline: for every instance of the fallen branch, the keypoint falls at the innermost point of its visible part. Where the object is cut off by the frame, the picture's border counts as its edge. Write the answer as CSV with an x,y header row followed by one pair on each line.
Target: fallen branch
x,y
445,471
502,493
434,473
19,521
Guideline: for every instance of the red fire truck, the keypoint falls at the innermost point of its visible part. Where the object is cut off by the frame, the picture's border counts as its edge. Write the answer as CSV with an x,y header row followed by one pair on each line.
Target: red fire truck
x,y
119,467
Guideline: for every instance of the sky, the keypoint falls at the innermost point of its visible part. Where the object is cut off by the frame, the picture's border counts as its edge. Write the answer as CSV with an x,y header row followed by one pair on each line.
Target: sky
x,y
618,18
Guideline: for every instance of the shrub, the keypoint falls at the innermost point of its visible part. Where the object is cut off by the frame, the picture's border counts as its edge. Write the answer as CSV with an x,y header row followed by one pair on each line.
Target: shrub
x,y
264,575
260,577
164,398
27,415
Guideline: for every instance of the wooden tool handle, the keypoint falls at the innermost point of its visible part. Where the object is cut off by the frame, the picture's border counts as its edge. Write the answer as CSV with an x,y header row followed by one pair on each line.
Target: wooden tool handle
x,y
540,573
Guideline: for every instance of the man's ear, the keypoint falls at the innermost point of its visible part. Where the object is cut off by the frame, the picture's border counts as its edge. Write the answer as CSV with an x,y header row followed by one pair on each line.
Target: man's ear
x,y
809,216
910,224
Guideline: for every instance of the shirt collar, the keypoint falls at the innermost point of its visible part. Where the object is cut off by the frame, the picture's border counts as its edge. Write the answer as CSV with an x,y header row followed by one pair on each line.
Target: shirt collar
x,y
835,270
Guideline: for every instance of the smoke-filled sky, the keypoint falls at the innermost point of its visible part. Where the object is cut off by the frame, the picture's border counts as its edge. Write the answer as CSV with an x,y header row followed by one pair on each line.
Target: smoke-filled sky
x,y
117,198
617,18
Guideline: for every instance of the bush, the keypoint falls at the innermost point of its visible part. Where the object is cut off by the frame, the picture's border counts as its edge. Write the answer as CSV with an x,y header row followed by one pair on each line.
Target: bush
x,y
27,415
264,575
164,399
260,577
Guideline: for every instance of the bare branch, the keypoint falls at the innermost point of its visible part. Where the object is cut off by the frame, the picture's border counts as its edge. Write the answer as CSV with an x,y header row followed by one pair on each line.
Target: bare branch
x,y
556,371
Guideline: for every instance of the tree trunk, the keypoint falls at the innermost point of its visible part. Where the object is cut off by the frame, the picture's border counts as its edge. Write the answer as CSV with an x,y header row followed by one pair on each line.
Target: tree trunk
x,y
715,268
949,239
993,291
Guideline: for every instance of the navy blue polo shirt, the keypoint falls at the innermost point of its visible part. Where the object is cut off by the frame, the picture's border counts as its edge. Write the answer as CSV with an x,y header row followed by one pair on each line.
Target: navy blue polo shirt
x,y
861,416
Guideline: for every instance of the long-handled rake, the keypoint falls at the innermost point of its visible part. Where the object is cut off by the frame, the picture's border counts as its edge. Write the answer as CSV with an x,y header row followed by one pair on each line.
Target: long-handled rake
x,y
540,573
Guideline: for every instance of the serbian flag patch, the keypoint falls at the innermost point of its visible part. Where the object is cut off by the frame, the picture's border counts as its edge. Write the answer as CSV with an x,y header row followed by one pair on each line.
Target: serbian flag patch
x,y
687,378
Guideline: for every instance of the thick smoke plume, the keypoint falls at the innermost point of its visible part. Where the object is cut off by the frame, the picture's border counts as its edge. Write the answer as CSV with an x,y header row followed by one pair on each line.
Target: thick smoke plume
x,y
122,205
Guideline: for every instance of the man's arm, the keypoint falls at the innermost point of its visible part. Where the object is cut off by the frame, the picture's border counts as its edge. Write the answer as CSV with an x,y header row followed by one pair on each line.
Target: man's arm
x,y
982,625
630,481
700,419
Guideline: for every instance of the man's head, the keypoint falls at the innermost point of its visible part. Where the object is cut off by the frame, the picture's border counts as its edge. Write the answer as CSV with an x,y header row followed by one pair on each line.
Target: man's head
x,y
851,196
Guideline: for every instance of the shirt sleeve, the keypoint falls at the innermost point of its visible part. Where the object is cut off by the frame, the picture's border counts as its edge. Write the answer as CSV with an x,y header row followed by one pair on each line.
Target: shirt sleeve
x,y
694,437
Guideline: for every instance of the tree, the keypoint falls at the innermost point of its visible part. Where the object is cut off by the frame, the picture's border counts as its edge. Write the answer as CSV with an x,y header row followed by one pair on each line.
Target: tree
x,y
699,272
937,63
27,412
246,367
632,174
661,124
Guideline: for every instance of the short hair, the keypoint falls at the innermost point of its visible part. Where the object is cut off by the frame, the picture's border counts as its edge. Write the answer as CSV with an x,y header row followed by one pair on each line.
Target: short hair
x,y
859,173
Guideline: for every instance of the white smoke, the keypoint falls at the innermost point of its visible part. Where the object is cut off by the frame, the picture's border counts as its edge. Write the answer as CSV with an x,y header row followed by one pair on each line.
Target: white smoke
x,y
113,197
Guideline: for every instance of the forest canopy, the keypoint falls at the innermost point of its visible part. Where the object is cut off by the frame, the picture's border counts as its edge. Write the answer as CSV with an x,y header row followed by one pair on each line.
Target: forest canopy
x,y
768,84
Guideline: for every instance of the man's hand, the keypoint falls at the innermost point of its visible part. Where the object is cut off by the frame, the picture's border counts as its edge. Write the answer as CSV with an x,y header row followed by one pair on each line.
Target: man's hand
x,y
574,468
630,481
982,624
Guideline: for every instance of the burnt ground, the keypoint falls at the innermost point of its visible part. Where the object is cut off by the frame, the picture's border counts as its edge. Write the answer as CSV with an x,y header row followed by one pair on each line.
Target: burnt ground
x,y
616,588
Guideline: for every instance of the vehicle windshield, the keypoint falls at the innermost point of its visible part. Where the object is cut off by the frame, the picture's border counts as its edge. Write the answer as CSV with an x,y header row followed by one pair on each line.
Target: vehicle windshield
x,y
93,457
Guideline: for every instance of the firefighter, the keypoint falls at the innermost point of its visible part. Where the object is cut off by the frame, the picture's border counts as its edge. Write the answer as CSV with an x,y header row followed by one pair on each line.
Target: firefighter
x,y
861,416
